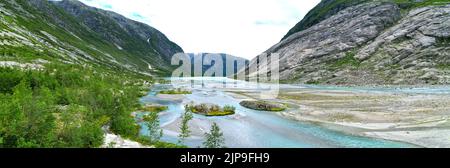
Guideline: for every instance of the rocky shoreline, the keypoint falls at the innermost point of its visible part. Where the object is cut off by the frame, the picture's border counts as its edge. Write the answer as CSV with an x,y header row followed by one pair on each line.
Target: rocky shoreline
x,y
416,118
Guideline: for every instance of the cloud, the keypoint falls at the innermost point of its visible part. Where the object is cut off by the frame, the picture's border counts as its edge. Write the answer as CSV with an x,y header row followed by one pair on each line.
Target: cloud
x,y
242,28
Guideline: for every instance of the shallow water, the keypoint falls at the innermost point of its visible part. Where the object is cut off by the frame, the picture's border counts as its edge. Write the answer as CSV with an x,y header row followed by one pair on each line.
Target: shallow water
x,y
249,128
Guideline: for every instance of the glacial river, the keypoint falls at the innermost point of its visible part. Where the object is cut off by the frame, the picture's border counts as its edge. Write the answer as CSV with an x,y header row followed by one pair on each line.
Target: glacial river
x,y
249,128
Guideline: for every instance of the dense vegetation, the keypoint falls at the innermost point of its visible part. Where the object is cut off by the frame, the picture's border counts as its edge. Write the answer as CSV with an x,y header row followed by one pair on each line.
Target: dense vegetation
x,y
77,81
65,106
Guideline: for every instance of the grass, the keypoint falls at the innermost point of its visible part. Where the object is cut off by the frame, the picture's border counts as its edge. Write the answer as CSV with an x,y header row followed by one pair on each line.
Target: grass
x,y
348,60
219,113
443,42
8,19
444,66
175,91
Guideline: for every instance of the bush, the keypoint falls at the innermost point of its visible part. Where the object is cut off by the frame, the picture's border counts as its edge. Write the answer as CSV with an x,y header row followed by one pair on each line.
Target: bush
x,y
229,108
211,110
65,106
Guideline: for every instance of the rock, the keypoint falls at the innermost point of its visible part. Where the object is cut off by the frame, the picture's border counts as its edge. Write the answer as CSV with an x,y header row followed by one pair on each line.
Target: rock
x,y
116,141
429,76
373,43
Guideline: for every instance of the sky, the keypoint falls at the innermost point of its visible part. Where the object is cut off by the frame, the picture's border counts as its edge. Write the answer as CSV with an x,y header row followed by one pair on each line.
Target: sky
x,y
243,28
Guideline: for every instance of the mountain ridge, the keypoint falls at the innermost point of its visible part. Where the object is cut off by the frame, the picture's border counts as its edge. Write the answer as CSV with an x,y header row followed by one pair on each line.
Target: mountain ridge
x,y
71,32
372,43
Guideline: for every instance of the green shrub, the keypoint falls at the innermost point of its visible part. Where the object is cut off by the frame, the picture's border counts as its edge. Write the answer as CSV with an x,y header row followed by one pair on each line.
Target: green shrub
x,y
211,110
65,106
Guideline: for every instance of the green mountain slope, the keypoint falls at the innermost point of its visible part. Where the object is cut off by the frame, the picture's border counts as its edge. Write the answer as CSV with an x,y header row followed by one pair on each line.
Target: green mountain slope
x,y
69,73
72,32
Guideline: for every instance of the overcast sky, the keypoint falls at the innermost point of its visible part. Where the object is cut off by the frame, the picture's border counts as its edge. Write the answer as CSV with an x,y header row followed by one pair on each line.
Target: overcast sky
x,y
242,28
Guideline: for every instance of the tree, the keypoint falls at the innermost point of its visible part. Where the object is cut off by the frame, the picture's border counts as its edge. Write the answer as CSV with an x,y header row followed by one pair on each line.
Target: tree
x,y
214,139
154,131
184,128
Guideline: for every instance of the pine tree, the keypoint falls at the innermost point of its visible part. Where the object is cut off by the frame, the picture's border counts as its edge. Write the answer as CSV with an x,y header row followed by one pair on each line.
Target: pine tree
x,y
214,139
154,131
184,128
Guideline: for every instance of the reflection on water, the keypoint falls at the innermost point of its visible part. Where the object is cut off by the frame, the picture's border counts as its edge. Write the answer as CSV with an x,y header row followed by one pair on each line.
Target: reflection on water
x,y
250,128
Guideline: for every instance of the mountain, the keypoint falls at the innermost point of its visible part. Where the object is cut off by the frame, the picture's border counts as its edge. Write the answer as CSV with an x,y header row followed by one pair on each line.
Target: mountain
x,y
69,31
224,56
72,75
322,11
369,43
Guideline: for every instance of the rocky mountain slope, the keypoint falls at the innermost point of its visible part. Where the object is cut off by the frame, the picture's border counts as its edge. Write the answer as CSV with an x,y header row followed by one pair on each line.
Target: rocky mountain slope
x,y
36,31
369,43
323,10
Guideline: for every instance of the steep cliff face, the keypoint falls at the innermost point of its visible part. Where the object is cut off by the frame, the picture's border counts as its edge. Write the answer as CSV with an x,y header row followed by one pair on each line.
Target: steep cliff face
x,y
126,33
69,31
323,10
373,43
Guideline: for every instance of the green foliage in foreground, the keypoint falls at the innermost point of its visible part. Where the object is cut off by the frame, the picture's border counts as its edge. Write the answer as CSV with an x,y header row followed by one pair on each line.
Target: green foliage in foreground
x,y
65,106
184,127
214,139
154,130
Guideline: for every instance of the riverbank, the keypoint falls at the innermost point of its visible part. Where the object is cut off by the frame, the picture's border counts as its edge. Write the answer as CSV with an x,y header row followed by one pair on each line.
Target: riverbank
x,y
249,128
416,118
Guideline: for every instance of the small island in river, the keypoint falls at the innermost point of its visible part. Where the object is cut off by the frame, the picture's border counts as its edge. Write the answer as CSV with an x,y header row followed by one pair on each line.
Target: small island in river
x,y
211,109
263,105
175,91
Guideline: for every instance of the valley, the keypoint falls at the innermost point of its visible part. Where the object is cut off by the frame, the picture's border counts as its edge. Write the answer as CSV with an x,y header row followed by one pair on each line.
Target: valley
x,y
352,74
